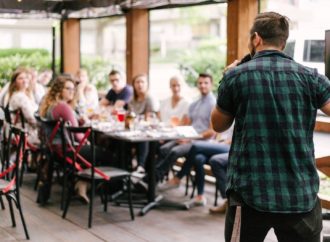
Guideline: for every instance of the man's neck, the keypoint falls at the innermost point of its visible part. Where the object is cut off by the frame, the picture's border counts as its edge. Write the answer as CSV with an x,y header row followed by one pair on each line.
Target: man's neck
x,y
119,91
267,47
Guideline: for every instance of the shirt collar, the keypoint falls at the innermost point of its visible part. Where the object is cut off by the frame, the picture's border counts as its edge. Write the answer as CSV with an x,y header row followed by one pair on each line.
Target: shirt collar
x,y
265,53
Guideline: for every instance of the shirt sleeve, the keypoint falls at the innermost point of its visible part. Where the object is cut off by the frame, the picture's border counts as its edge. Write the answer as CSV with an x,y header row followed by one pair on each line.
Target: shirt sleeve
x,y
225,100
109,96
127,94
323,91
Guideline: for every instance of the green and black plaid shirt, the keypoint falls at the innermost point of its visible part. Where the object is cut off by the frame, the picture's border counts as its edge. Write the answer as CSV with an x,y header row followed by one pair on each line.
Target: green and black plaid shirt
x,y
274,101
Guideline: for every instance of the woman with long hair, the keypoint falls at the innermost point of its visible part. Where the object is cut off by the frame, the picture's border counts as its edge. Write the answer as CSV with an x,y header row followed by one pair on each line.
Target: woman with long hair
x,y
20,98
60,103
142,104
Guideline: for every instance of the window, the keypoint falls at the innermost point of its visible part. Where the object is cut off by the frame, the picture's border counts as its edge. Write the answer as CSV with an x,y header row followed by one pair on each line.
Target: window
x,y
314,50
289,48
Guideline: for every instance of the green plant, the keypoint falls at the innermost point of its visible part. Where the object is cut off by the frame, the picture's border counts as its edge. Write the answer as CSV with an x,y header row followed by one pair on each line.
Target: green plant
x,y
98,70
208,57
11,59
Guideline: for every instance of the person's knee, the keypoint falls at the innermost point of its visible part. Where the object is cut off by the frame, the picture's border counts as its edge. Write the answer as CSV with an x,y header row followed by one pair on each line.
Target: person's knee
x,y
215,165
199,160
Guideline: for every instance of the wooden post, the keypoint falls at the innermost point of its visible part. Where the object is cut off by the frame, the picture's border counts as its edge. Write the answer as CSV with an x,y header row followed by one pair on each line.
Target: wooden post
x,y
70,45
137,43
240,16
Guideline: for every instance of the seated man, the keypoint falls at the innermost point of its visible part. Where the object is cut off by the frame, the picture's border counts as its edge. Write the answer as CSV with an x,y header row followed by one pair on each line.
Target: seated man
x,y
199,117
200,153
120,93
219,168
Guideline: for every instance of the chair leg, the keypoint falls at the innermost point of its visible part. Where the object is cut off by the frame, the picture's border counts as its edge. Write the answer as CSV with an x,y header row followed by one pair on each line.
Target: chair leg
x,y
105,197
24,163
129,190
68,200
64,186
216,195
2,203
22,218
12,215
187,184
91,201
194,187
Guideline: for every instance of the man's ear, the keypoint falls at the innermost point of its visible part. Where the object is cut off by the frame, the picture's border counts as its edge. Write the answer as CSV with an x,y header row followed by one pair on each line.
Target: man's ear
x,y
257,40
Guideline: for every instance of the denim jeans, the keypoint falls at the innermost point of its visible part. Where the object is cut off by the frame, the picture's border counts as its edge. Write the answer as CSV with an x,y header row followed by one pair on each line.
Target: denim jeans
x,y
169,153
219,168
198,155
142,150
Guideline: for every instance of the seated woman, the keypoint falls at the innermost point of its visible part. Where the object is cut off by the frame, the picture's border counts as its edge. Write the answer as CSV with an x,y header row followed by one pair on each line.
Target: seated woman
x,y
142,104
87,95
59,103
20,97
174,109
199,154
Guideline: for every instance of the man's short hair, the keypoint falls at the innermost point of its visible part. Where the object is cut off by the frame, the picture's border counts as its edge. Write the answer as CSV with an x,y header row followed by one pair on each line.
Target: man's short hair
x,y
272,27
114,72
205,75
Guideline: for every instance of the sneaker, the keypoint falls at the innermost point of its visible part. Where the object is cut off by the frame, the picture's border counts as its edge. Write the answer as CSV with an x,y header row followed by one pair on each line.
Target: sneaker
x,y
220,209
140,169
167,186
195,203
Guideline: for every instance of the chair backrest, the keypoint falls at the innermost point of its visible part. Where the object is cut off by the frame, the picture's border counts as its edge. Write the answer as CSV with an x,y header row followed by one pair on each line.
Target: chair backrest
x,y
73,146
49,129
16,137
14,116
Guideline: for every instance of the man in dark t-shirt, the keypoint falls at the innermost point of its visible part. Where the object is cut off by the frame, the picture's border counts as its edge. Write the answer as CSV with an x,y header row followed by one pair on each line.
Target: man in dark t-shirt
x,y
120,93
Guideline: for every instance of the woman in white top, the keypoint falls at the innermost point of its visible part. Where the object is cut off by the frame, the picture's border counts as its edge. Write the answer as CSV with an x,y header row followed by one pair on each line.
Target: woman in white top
x,y
21,97
87,95
174,110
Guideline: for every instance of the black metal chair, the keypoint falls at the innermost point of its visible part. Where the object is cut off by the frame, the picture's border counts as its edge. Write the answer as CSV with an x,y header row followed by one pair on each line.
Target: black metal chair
x,y
87,171
15,117
9,178
51,159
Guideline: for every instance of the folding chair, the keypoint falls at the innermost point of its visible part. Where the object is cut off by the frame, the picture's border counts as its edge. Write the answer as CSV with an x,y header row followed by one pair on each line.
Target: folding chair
x,y
87,170
9,178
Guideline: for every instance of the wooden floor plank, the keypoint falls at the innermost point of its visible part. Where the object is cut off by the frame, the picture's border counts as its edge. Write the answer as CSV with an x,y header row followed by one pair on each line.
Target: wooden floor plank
x,y
45,224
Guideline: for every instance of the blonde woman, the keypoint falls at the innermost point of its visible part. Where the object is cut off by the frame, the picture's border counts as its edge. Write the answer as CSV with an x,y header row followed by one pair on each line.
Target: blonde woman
x,y
87,95
174,109
19,97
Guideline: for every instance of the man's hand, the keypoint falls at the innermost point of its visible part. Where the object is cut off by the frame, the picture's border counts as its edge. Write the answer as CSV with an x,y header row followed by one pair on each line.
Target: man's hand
x,y
232,65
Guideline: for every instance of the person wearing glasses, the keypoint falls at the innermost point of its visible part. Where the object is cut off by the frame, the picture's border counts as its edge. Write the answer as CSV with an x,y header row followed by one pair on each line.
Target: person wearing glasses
x,y
120,93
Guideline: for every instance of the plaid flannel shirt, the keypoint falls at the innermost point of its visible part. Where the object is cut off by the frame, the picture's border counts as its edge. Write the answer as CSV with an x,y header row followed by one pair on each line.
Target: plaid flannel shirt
x,y
274,101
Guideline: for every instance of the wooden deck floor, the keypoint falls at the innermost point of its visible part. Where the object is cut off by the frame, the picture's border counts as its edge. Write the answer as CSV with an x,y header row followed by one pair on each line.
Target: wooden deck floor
x,y
163,224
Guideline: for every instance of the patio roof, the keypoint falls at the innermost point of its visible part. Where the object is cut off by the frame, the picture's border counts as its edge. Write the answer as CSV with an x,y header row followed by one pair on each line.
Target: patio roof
x,y
85,8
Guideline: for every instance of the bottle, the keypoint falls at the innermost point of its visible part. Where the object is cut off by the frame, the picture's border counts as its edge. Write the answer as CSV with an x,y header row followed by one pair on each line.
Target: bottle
x,y
130,120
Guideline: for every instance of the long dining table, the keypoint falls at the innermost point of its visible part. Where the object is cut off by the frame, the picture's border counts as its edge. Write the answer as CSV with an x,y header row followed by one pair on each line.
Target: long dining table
x,y
153,136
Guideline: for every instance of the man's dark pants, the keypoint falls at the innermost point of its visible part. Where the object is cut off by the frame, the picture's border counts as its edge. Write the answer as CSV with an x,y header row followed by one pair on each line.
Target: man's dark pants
x,y
302,227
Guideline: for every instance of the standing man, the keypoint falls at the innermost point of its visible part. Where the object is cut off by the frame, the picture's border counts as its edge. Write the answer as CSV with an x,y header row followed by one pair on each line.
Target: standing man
x,y
120,93
272,179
